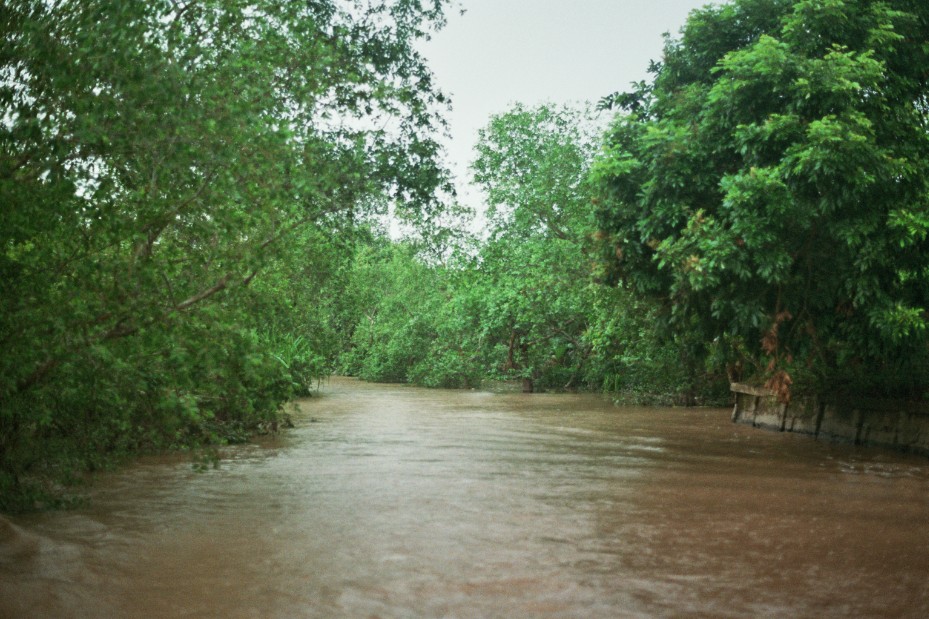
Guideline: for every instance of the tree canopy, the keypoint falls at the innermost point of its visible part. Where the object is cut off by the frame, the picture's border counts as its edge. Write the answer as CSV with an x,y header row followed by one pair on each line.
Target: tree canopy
x,y
770,185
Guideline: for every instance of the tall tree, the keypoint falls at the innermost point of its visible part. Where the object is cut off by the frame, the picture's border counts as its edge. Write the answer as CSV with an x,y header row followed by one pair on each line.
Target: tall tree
x,y
532,163
771,187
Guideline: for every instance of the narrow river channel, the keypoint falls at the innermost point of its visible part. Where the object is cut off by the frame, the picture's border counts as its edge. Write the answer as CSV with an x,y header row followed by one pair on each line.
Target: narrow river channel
x,y
396,502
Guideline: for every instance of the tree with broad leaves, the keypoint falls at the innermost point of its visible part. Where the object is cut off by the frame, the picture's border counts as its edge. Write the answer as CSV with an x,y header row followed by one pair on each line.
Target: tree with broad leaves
x,y
771,187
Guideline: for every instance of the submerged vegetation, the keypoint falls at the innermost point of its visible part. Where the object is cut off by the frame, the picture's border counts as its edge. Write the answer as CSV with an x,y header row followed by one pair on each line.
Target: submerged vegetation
x,y
194,200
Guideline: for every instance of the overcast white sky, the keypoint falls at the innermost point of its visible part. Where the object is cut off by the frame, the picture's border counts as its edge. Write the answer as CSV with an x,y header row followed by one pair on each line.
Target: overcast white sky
x,y
534,51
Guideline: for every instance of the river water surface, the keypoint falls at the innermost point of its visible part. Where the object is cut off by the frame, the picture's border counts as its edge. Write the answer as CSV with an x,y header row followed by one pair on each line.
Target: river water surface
x,y
389,501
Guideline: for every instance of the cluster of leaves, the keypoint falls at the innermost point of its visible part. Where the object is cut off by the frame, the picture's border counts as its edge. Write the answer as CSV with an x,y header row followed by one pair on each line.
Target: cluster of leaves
x,y
408,328
172,179
770,188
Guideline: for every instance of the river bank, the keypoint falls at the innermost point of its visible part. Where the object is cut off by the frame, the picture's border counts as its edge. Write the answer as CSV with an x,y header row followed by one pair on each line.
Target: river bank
x,y
897,425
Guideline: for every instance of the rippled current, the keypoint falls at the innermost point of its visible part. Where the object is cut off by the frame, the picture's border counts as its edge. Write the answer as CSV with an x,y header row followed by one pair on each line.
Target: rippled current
x,y
389,501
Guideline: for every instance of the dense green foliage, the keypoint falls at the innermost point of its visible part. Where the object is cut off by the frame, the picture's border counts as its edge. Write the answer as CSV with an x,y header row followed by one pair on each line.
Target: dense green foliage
x,y
544,320
518,304
770,187
174,180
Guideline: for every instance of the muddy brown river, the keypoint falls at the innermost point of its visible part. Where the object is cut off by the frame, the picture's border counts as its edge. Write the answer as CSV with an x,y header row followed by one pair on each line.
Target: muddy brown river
x,y
390,501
